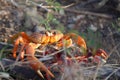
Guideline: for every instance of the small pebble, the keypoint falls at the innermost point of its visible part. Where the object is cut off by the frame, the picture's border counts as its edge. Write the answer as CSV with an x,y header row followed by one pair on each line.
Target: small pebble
x,y
93,28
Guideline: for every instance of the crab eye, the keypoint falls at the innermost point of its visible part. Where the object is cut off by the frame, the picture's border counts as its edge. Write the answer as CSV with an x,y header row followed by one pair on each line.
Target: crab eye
x,y
54,33
48,33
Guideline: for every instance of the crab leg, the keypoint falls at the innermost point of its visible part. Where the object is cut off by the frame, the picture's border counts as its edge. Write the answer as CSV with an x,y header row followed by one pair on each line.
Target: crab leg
x,y
22,38
35,63
102,53
16,43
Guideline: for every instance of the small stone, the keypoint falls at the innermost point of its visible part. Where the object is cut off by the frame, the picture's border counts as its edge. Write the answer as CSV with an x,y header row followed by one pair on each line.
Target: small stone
x,y
71,26
78,17
38,29
4,75
62,12
93,28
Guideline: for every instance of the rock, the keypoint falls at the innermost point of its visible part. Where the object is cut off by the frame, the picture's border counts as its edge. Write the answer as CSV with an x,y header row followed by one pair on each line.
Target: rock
x,y
71,26
19,71
93,28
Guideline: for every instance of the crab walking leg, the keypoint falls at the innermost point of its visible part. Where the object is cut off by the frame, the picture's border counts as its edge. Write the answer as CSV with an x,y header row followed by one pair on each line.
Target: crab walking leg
x,y
22,52
22,38
35,63
102,53
16,43
15,48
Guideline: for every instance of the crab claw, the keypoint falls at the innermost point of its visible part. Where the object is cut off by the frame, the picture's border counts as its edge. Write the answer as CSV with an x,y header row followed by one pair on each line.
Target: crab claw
x,y
69,39
39,72
35,64
102,53
39,66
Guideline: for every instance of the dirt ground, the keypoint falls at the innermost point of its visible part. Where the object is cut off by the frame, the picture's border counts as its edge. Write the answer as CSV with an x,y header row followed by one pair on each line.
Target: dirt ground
x,y
100,25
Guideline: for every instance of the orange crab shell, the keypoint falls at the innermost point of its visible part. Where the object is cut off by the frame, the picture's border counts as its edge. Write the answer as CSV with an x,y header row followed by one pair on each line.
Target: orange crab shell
x,y
46,37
